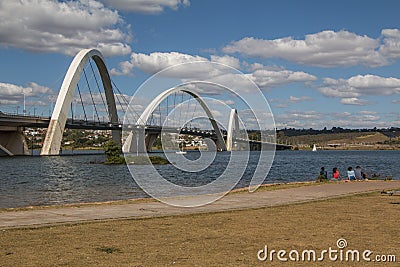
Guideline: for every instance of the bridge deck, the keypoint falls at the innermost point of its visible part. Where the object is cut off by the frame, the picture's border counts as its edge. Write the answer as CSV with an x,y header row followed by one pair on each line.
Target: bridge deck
x,y
11,120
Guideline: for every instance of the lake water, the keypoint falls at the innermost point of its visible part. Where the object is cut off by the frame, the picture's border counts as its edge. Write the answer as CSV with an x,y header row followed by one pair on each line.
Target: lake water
x,y
27,181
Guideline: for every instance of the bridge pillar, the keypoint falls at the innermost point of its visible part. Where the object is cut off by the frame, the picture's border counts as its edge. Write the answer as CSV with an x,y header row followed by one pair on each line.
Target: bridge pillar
x,y
233,129
150,139
139,142
135,142
12,142
52,143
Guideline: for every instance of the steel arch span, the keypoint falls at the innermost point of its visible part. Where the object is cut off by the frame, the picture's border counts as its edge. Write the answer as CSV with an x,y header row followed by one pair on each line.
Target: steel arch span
x,y
130,143
52,142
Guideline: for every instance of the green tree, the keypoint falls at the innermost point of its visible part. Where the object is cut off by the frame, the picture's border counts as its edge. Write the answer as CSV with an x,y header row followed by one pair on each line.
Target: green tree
x,y
113,151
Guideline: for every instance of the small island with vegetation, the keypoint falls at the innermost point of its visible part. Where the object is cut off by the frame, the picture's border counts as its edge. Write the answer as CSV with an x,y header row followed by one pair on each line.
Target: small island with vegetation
x,y
113,156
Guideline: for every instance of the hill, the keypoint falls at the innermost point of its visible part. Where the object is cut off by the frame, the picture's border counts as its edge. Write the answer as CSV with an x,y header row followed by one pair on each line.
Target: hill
x,y
344,140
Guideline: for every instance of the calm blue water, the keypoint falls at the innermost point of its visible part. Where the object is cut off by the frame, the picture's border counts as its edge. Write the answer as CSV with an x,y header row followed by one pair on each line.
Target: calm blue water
x,y
26,181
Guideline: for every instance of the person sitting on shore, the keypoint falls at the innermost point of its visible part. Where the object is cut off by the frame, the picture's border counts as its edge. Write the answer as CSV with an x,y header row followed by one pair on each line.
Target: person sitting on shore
x,y
323,173
358,173
336,174
350,174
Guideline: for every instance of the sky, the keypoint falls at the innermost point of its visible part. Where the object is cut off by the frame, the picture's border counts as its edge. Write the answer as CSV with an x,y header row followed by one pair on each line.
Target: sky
x,y
318,63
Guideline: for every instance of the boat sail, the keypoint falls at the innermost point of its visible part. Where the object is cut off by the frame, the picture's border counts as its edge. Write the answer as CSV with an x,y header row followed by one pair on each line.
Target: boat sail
x,y
314,148
180,151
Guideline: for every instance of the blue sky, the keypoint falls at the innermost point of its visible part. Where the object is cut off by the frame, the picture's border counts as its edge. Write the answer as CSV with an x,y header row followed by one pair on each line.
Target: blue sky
x,y
319,63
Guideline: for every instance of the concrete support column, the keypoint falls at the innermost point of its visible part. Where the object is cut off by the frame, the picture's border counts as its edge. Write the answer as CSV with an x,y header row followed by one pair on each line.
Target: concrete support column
x,y
233,129
135,142
12,142
150,139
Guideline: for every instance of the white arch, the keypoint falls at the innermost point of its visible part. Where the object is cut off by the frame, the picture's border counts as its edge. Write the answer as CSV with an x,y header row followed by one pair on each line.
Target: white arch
x,y
157,101
233,129
52,142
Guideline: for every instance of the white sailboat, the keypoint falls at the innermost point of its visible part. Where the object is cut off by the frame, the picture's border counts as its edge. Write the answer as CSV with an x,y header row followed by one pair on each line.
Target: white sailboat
x,y
314,148
180,151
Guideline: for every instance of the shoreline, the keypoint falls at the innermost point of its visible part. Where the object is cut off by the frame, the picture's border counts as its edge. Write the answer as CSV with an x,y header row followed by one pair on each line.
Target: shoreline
x,y
263,187
353,148
238,200
272,186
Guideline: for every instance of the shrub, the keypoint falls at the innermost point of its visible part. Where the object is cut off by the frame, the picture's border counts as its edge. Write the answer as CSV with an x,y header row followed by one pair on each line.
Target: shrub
x,y
113,153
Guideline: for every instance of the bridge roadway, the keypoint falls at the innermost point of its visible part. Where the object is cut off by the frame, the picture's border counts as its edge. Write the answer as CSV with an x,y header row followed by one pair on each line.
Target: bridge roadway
x,y
12,120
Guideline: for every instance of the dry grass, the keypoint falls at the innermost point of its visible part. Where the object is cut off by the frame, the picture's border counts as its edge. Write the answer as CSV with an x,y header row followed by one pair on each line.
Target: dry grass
x,y
338,138
366,138
367,221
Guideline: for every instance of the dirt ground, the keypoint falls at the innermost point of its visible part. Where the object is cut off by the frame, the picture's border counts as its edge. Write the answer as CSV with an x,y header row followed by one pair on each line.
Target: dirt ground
x,y
366,222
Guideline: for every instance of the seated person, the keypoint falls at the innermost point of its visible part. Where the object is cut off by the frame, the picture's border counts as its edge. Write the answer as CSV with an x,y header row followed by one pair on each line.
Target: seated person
x,y
350,174
336,174
323,174
358,173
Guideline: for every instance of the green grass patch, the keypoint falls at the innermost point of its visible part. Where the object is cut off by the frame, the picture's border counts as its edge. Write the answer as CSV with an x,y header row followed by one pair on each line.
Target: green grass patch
x,y
109,250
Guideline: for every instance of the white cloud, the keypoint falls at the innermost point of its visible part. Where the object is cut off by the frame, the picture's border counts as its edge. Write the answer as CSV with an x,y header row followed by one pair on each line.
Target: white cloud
x,y
37,95
391,43
359,85
126,68
293,99
285,103
229,102
362,119
354,101
306,115
227,60
323,49
338,88
358,122
282,105
145,6
257,66
370,118
346,114
319,120
204,70
154,62
157,61
375,85
367,112
300,119
63,27
267,78
32,89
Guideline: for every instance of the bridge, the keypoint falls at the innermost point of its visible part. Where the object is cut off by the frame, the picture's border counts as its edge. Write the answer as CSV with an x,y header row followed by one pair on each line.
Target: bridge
x,y
142,132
